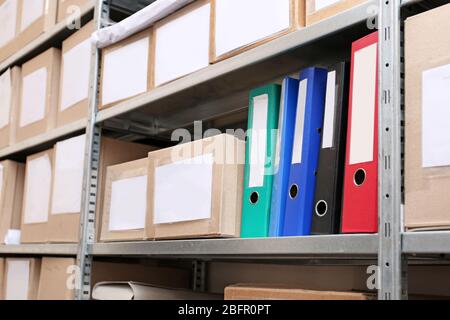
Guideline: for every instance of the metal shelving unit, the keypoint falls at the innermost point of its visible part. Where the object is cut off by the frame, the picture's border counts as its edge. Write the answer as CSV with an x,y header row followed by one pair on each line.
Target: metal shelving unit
x,y
40,249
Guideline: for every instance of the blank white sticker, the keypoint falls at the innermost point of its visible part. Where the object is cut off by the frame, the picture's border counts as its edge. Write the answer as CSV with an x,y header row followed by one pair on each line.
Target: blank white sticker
x,y
75,76
320,4
183,190
34,89
436,117
5,98
182,45
1,180
126,71
38,188
300,122
32,10
240,23
363,105
68,179
330,110
17,280
258,143
280,126
128,204
8,17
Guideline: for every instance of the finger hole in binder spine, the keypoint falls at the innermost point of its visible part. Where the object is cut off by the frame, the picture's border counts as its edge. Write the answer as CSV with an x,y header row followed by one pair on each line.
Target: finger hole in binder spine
x,y
293,191
321,208
254,198
359,177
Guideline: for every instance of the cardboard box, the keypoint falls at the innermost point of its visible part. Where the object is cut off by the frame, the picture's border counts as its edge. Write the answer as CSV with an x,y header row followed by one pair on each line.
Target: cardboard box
x,y
67,186
125,204
318,10
21,279
55,281
282,292
121,81
238,25
195,189
9,16
39,95
36,17
36,198
75,76
12,176
9,105
182,42
2,273
427,148
67,8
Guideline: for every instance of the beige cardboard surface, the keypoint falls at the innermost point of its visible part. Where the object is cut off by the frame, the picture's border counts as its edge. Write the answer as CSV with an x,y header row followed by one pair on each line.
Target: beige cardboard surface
x,y
13,45
116,173
11,197
54,279
314,16
78,110
67,8
426,189
8,133
226,192
51,60
33,279
2,273
34,232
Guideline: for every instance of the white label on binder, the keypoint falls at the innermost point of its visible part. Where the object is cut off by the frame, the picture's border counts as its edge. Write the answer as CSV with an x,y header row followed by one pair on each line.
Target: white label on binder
x,y
8,17
1,179
280,126
320,4
300,122
32,10
182,45
38,187
330,111
5,98
128,204
436,117
254,20
75,75
362,124
17,280
68,179
122,79
183,190
34,89
258,143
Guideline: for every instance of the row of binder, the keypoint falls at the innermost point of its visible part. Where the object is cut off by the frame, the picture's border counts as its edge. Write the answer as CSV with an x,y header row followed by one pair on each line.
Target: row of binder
x,y
312,151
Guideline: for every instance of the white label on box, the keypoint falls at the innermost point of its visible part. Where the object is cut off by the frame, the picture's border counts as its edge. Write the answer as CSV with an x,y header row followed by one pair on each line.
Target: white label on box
x,y
362,124
8,17
75,75
300,122
320,4
38,188
240,23
5,98
436,117
32,10
12,237
126,71
34,89
258,141
68,179
1,180
182,45
128,204
183,190
17,279
330,111
280,126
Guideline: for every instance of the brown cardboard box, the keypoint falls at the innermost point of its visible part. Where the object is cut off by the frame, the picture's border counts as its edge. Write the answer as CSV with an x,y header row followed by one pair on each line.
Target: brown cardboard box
x,y
12,175
67,8
54,279
21,279
2,273
39,95
242,18
195,189
36,198
317,10
75,75
9,16
36,17
283,292
10,83
121,81
126,199
427,164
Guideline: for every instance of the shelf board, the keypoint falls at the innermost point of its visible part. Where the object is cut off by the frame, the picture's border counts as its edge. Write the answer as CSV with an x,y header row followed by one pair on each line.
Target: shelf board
x,y
51,38
427,242
40,249
317,246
